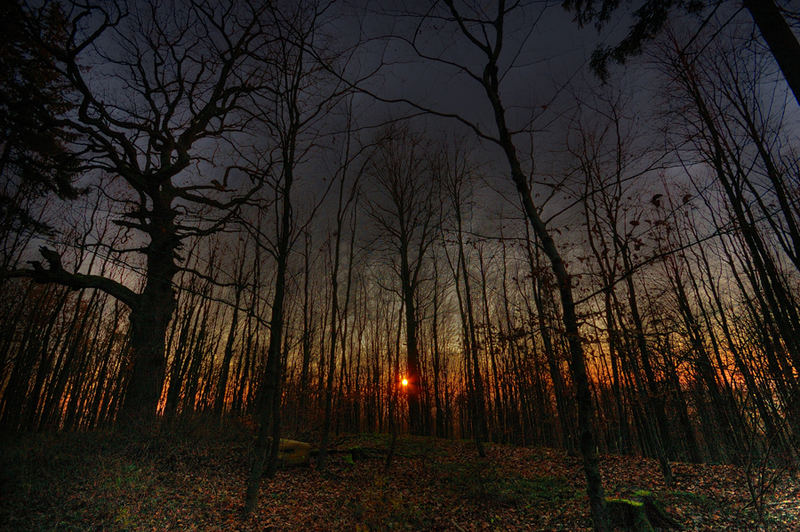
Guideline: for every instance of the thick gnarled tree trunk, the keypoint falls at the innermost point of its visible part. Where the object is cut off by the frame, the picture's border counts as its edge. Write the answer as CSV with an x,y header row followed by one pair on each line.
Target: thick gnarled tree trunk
x,y
149,319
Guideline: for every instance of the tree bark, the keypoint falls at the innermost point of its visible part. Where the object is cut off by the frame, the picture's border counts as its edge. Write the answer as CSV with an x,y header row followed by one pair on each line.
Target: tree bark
x,y
780,38
570,319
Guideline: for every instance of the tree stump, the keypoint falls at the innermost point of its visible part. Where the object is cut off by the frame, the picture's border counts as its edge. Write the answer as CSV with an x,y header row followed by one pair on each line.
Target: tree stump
x,y
642,515
655,512
628,514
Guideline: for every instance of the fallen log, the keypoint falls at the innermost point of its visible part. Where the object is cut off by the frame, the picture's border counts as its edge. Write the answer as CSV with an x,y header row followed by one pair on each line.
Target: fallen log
x,y
294,453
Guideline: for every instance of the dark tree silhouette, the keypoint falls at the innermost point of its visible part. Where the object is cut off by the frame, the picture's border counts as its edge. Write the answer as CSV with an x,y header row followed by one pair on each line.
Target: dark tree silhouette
x,y
166,91
35,154
401,204
650,18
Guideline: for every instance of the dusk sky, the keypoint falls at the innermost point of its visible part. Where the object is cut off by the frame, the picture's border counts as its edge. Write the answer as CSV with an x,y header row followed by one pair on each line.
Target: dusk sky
x,y
359,265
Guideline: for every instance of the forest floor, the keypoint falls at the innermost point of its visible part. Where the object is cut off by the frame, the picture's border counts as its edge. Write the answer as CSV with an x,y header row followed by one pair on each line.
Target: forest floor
x,y
195,481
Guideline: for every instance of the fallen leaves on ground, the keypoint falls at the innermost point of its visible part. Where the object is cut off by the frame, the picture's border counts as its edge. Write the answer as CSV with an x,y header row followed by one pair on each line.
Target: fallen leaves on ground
x,y
101,482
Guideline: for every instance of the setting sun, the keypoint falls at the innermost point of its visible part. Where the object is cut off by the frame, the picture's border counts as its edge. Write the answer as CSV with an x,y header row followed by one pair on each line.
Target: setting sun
x,y
405,382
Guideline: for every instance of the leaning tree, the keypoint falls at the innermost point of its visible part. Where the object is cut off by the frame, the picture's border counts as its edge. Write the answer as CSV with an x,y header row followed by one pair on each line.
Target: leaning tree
x,y
482,46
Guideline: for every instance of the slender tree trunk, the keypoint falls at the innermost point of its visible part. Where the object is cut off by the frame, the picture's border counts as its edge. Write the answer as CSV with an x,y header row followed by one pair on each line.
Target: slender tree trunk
x,y
661,434
326,424
440,432
541,294
490,348
572,329
269,398
412,349
225,368
308,311
476,378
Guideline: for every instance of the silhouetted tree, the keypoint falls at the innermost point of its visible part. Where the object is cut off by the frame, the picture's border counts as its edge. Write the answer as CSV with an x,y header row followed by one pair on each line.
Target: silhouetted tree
x,y
651,17
172,85
401,203
35,153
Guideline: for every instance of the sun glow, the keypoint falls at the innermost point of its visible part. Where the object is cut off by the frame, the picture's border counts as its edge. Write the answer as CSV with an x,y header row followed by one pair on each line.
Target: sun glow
x,y
405,382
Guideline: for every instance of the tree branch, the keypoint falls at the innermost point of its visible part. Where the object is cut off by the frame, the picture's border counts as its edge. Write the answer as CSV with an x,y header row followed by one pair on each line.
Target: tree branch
x,y
56,274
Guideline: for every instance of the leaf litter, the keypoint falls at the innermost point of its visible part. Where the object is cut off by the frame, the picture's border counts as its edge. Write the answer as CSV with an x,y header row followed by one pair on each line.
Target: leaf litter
x,y
98,481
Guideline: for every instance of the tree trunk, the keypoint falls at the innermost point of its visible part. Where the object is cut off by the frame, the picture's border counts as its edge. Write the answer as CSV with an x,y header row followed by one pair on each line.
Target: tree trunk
x,y
572,329
225,368
780,38
149,318
412,350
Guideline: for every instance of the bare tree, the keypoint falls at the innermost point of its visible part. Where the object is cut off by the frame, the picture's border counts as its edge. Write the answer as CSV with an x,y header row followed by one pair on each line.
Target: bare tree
x,y
347,195
35,158
299,96
401,205
456,177
485,34
167,96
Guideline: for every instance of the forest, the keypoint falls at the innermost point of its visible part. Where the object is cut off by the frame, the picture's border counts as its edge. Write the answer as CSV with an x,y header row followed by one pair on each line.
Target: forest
x,y
546,251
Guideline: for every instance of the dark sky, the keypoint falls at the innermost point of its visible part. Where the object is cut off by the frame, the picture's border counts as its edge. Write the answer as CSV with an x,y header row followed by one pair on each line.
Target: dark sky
x,y
549,72
550,67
